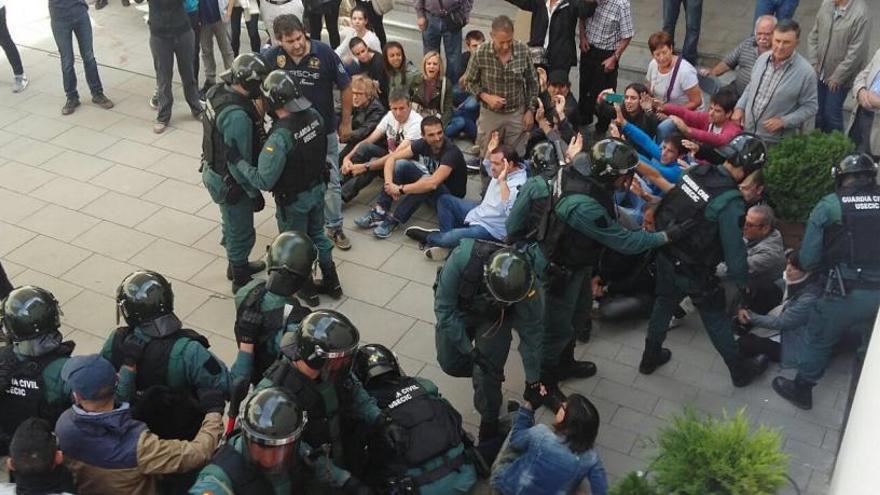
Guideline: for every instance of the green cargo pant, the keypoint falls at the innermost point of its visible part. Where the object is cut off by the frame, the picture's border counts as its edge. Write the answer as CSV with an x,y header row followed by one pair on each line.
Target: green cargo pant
x,y
238,230
306,214
563,298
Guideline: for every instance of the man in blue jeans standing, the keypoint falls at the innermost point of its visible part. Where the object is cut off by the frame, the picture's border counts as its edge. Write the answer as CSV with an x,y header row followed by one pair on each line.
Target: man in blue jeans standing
x,y
781,9
460,218
69,18
693,15
443,19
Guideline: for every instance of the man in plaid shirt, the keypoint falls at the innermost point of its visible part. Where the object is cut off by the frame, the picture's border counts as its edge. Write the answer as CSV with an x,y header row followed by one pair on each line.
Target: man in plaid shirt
x,y
500,74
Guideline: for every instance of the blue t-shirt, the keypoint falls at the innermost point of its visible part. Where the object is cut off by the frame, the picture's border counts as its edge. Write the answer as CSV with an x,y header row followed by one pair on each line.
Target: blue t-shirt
x,y
209,11
316,74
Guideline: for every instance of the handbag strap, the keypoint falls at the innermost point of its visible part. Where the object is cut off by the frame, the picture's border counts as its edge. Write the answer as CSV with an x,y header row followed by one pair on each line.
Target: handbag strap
x,y
672,79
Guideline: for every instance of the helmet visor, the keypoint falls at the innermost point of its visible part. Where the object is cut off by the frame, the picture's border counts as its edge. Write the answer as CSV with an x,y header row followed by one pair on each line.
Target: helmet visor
x,y
337,367
272,458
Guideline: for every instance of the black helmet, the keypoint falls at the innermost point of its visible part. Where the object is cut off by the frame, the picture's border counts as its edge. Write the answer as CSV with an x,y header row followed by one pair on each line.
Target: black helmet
x,y
544,160
854,163
326,340
611,158
281,90
746,151
29,312
509,276
293,251
248,70
373,360
271,419
144,296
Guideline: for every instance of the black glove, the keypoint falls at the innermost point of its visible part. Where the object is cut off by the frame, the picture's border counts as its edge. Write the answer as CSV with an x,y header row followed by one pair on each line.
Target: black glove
x,y
533,395
355,486
259,202
678,231
248,326
233,156
132,349
211,400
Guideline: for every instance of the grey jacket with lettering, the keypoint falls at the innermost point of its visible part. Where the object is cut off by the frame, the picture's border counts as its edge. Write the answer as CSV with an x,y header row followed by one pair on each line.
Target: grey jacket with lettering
x,y
838,48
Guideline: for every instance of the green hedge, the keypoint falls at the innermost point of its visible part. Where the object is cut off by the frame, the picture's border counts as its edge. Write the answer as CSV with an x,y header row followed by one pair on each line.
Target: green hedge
x,y
798,172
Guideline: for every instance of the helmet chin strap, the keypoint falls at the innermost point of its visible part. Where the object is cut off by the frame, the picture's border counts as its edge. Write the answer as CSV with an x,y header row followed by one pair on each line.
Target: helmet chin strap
x,y
162,326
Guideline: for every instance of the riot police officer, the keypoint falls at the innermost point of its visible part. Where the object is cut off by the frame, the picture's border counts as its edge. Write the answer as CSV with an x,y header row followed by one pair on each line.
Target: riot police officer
x,y
566,224
707,195
30,367
232,120
260,458
840,238
315,368
266,308
426,454
292,165
485,290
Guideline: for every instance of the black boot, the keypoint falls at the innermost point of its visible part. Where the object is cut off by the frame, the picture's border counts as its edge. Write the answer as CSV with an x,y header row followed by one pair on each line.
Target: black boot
x,y
309,293
654,357
584,332
798,391
252,268
744,371
571,368
490,440
329,281
241,276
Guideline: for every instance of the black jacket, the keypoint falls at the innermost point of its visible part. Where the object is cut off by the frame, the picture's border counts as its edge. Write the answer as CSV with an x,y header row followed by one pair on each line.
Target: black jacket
x,y
561,48
364,120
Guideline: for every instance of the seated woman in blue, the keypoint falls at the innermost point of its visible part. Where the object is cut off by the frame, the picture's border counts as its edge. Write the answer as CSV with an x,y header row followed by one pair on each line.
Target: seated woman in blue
x,y
553,460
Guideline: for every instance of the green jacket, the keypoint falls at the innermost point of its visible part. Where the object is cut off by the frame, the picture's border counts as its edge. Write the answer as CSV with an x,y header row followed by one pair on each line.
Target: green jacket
x,y
236,127
729,214
273,159
526,316
212,479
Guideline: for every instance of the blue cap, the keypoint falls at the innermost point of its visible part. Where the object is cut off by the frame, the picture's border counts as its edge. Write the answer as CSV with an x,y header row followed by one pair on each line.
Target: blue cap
x,y
87,375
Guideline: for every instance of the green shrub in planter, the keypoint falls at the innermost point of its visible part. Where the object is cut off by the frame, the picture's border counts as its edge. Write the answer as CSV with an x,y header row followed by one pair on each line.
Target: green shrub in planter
x,y
634,484
798,172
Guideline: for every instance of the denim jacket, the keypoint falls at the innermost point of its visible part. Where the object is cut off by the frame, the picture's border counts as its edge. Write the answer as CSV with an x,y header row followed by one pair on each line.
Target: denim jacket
x,y
546,465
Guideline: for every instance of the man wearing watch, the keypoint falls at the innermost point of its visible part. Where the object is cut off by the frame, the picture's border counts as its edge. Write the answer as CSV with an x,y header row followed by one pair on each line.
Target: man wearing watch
x,y
417,171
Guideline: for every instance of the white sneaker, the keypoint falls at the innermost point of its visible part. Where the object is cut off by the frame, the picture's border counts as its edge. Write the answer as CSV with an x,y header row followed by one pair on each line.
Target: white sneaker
x,y
20,83
437,253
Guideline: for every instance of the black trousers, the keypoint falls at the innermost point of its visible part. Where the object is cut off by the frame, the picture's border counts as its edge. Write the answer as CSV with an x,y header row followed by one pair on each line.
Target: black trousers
x,y
10,48
593,79
330,14
252,29
5,284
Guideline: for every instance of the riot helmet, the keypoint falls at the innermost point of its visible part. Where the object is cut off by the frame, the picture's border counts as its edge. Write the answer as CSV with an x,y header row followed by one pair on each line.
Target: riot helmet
x,y
271,423
248,70
854,163
374,360
544,161
30,312
143,296
326,341
746,151
609,159
509,276
292,251
281,90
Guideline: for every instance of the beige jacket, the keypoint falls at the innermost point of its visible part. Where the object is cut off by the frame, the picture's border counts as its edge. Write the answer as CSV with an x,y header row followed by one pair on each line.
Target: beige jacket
x,y
864,80
839,48
155,457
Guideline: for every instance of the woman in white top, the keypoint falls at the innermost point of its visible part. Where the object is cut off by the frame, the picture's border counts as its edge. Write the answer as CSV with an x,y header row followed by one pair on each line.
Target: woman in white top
x,y
358,28
672,79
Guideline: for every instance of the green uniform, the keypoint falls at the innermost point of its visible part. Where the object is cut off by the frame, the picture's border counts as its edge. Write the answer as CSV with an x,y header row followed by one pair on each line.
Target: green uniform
x,y
586,216
459,330
213,480
835,312
237,216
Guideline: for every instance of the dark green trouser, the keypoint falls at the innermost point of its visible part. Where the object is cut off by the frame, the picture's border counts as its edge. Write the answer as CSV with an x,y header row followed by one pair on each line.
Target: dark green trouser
x,y
831,317
708,298
584,306
563,298
306,214
238,230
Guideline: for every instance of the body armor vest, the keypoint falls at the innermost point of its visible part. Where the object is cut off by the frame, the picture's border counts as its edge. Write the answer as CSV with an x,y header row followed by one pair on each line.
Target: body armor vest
x,y
688,200
246,478
473,295
852,241
306,164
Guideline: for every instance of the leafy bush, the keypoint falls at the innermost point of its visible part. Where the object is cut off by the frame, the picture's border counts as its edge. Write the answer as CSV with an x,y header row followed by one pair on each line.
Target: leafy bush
x,y
798,171
633,484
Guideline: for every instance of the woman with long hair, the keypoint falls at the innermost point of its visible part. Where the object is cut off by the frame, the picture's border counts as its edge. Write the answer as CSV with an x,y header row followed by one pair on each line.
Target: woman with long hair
x,y
431,90
359,27
398,69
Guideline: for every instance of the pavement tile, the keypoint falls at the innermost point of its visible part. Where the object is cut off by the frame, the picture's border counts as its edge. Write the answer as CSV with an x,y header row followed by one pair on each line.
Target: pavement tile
x,y
618,464
179,195
213,277
411,264
84,140
415,300
91,312
48,255
133,154
11,115
809,455
12,269
366,249
626,396
121,209
11,237
23,178
188,297
414,343
376,324
91,117
14,207
29,151
63,291
100,274
832,440
68,192
173,260
38,127
368,285
76,165
181,141
797,429
127,180
177,226
134,129
86,343
113,240
59,222
178,166
5,136
458,391
615,438
216,315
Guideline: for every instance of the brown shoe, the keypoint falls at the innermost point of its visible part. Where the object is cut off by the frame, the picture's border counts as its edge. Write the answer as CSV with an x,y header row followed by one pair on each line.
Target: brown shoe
x,y
102,101
159,126
339,238
69,106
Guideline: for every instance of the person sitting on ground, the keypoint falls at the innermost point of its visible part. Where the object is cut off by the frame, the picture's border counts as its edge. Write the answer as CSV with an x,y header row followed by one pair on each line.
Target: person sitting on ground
x,y
460,218
366,159
108,451
467,108
400,71
557,458
637,108
419,171
559,106
366,111
358,28
431,91
712,128
370,63
35,462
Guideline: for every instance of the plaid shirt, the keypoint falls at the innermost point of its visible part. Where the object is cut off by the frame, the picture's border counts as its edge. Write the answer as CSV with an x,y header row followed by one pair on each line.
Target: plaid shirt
x,y
611,23
770,79
516,81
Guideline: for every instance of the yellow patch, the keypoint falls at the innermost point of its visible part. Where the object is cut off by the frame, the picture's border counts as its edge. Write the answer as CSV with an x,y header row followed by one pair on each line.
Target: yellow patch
x,y
314,63
270,149
281,61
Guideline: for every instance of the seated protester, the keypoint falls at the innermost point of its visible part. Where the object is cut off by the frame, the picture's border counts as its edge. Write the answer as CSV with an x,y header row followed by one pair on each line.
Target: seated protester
x,y
366,159
431,91
752,188
557,458
713,128
671,78
419,171
779,334
366,110
357,28
467,107
427,455
261,456
557,97
35,463
371,64
110,452
472,40
765,257
400,72
460,218
637,108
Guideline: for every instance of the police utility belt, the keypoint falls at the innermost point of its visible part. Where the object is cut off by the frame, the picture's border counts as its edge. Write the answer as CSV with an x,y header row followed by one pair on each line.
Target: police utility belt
x,y
410,484
284,198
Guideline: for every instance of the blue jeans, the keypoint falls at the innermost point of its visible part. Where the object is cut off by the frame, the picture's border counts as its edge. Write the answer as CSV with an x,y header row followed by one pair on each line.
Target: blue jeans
x,y
451,212
782,9
693,16
464,119
431,37
333,197
63,30
830,115
407,172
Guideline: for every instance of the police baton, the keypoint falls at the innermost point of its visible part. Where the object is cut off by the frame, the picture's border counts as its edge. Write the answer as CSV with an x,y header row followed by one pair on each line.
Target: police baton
x,y
240,387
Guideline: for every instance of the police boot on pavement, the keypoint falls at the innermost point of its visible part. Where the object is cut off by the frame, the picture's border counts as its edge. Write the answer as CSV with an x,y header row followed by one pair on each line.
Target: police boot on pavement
x,y
840,240
232,120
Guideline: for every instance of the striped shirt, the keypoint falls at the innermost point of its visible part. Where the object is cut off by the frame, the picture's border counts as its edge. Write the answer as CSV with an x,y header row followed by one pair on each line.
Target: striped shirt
x,y
742,58
516,81
767,85
611,23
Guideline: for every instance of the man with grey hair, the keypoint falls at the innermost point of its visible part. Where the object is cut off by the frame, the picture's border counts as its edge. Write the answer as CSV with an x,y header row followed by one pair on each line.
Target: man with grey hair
x,y
742,58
